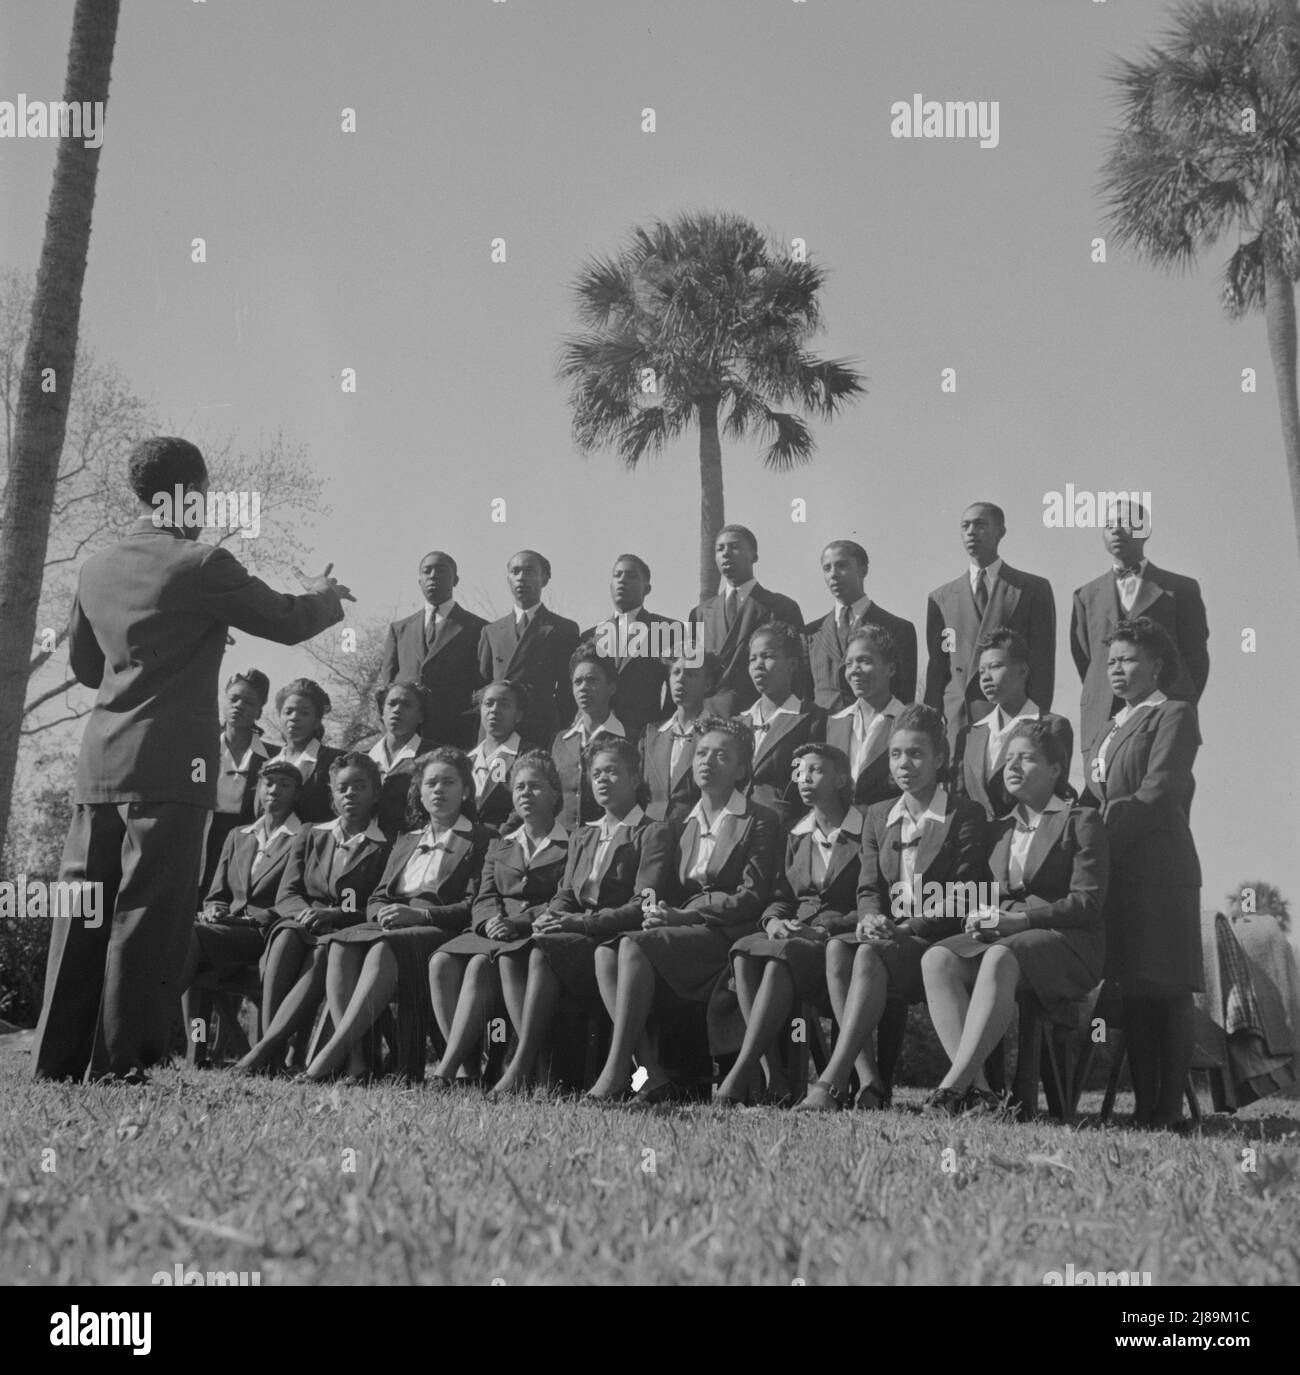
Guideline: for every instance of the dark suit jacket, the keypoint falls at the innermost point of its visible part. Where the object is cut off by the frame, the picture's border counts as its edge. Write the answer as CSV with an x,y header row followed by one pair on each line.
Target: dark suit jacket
x,y
450,903
736,692
577,803
1169,599
643,860
825,649
512,888
496,805
305,882
1066,874
1019,601
971,777
540,661
674,796
738,880
829,907
448,671
248,898
875,782
315,801
148,629
1145,795
396,789
951,853
771,784
642,692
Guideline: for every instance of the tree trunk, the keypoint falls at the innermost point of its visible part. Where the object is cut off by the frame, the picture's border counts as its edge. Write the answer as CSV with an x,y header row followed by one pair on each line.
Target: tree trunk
x,y
1279,317
51,351
711,513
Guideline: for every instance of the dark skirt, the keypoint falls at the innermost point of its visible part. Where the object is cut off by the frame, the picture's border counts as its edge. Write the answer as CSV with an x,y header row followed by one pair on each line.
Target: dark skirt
x,y
227,947
902,960
805,959
572,959
468,944
689,959
297,931
412,947
1058,967
1153,939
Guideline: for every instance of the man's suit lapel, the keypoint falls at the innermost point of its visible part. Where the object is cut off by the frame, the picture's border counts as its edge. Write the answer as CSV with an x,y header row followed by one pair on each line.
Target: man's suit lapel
x,y
1003,599
1148,594
447,632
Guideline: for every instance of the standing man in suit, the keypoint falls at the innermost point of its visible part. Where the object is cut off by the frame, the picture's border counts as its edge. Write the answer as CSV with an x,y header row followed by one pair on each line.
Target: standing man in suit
x,y
989,594
438,648
148,630
531,645
1134,587
734,612
844,566
641,690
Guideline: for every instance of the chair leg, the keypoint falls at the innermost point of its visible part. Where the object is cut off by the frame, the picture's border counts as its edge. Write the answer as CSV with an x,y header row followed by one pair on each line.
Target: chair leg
x,y
230,1037
1193,1104
1028,1062
889,1040
1117,1050
1058,1071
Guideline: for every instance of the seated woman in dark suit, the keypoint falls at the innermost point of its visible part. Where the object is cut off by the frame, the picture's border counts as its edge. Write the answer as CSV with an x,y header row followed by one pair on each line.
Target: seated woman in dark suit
x,y
503,707
237,913
1049,864
593,679
668,747
919,854
982,746
1140,770
780,720
243,752
521,875
611,863
403,706
301,707
862,730
423,899
813,897
727,853
331,871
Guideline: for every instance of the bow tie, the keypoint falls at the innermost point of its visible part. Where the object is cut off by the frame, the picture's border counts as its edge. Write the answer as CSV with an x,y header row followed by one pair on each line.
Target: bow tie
x,y
907,844
1134,572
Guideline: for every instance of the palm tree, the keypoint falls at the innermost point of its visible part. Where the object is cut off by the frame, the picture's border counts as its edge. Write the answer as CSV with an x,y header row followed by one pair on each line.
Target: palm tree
x,y
1210,142
697,320
51,351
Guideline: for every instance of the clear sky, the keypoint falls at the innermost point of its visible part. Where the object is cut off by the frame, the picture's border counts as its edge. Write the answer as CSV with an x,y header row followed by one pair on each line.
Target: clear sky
x,y
522,120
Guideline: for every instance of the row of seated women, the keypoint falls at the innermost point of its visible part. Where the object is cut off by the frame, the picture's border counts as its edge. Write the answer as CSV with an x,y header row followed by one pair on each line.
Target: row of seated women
x,y
777,879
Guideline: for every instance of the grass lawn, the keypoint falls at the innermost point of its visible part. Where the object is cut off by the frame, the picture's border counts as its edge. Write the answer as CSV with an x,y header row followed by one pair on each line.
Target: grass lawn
x,y
387,1185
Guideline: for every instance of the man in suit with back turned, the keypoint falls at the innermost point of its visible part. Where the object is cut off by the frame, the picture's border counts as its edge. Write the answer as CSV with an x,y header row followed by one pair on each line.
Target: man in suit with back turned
x,y
734,612
1132,587
532,645
989,594
438,648
148,630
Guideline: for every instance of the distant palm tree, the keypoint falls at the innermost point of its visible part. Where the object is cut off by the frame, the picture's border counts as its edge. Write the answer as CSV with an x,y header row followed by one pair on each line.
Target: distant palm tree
x,y
51,352
694,318
1264,897
1210,142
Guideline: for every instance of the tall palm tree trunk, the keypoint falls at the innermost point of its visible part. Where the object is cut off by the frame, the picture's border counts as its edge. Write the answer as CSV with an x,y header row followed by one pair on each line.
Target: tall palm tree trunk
x,y
711,512
1279,319
43,414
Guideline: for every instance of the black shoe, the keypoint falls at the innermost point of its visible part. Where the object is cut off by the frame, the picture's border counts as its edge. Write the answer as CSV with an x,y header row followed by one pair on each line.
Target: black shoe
x,y
946,1102
667,1092
986,1101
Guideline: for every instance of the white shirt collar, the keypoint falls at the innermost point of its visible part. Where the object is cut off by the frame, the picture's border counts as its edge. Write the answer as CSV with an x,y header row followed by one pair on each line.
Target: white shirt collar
x,y
1022,813
290,826
1140,565
255,747
1029,712
857,609
372,832
379,753
735,806
462,826
624,617
674,725
557,835
438,612
851,826
1127,710
608,831
790,707
990,573
611,725
936,811
530,613
483,754
859,707
741,590
309,754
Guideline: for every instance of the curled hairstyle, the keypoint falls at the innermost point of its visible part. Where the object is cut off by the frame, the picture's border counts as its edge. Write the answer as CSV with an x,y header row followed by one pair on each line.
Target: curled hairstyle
x,y
784,634
253,678
162,464
417,690
604,743
513,686
417,814
710,665
1155,639
354,759
543,763
313,692
1010,642
1050,745
281,768
877,638
925,721
830,754
587,653
740,731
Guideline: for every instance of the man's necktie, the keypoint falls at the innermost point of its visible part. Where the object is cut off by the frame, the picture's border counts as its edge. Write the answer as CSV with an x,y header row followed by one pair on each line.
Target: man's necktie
x,y
729,608
981,593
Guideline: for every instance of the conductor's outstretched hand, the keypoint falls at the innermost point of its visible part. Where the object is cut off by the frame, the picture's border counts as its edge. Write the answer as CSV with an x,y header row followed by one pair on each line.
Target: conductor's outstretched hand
x,y
321,583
